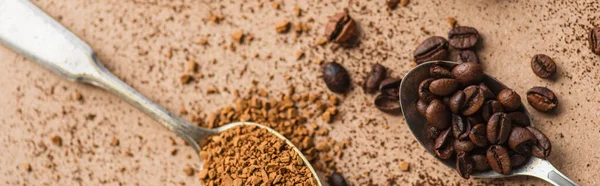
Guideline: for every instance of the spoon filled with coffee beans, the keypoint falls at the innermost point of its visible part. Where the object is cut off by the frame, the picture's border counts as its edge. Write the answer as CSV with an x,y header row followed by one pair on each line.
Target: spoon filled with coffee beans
x,y
473,123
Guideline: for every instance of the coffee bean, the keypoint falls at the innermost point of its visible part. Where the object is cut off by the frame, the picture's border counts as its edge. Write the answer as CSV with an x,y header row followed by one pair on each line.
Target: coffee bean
x,y
424,92
457,102
463,37
516,160
519,118
498,128
463,145
487,93
439,71
509,99
446,100
480,163
390,87
468,73
388,104
478,135
489,108
443,146
542,147
374,78
392,4
465,56
520,140
594,40
475,119
474,100
443,87
464,165
460,127
499,159
438,115
422,107
341,28
336,77
433,48
336,179
542,99
543,66
433,133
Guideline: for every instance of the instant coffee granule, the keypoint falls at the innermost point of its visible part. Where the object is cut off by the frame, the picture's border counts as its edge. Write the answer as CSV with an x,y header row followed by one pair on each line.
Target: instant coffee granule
x,y
250,155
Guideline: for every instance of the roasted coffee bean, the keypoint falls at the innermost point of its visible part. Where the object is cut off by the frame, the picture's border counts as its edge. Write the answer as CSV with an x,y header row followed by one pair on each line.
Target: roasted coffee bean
x,y
388,104
498,128
446,100
424,92
542,147
542,99
518,118
499,159
509,99
520,140
463,145
480,163
490,108
464,165
463,37
390,87
460,127
516,160
433,133
422,107
341,28
487,93
594,40
457,102
336,77
374,78
433,48
543,66
465,56
438,115
468,73
478,135
336,179
474,100
475,119
443,87
443,146
439,71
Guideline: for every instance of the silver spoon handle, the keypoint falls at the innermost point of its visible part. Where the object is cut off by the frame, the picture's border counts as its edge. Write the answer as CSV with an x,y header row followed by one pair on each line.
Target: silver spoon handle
x,y
545,171
31,32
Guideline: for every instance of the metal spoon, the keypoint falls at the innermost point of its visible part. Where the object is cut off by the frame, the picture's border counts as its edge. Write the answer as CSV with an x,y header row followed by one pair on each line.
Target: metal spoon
x,y
31,32
536,167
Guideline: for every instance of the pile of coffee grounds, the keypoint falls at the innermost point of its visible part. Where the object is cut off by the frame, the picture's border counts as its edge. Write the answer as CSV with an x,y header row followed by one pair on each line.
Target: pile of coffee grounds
x,y
250,155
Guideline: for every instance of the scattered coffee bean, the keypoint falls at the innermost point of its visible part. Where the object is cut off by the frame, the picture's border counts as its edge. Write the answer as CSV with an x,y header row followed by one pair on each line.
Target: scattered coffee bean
x,y
422,107
443,87
498,128
438,115
377,74
474,100
542,99
388,104
433,133
390,87
443,146
439,71
480,163
464,164
336,179
543,66
336,77
520,140
424,93
341,28
499,159
518,118
490,108
509,99
463,37
463,145
542,147
460,127
468,73
478,135
433,48
487,93
457,102
594,40
516,160
465,56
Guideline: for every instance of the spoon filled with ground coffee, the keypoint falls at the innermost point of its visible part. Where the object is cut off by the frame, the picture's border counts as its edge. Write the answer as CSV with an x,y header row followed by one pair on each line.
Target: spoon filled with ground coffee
x,y
29,31
473,123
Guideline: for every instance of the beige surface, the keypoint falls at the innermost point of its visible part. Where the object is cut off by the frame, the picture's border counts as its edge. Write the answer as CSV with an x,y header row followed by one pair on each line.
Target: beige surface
x,y
133,37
